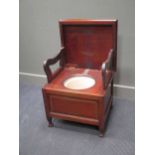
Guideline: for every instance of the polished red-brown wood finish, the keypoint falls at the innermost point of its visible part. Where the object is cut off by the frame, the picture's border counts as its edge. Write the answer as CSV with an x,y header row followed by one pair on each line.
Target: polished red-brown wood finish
x,y
89,48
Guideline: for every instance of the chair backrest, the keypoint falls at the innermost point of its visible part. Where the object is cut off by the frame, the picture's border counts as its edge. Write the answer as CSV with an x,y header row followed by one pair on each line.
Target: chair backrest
x,y
88,42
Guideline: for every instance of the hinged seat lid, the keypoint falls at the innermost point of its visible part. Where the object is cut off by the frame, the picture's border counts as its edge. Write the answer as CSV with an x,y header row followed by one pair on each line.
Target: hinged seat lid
x,y
88,42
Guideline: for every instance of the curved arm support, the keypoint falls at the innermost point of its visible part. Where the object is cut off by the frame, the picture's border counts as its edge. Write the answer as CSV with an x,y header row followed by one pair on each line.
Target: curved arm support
x,y
52,61
107,69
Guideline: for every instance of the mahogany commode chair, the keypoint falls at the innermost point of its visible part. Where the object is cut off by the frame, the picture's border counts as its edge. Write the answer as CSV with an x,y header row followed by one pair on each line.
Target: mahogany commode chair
x,y
81,89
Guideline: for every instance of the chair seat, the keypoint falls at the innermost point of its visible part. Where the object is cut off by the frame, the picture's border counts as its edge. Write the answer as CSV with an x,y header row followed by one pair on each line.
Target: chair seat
x,y
57,84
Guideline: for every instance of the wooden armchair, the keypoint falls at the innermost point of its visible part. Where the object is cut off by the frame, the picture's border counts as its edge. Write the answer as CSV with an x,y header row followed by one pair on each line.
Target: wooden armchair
x,y
81,89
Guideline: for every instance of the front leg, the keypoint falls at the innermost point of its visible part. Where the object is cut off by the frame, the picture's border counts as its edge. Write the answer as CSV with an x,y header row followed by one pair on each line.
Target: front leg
x,y
47,108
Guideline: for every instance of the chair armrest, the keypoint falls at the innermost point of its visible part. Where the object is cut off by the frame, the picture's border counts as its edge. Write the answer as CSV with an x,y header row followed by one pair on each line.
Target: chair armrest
x,y
52,61
107,71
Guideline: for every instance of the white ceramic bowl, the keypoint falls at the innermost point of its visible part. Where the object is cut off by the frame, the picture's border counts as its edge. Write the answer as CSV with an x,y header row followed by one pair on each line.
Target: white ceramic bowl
x,y
79,82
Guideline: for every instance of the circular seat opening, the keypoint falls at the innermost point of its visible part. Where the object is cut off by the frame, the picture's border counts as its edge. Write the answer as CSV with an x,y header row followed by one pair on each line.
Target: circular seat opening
x,y
79,82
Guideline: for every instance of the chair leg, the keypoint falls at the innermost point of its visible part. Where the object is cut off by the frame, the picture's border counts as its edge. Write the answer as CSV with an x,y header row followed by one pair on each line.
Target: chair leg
x,y
101,117
112,87
50,123
111,106
101,130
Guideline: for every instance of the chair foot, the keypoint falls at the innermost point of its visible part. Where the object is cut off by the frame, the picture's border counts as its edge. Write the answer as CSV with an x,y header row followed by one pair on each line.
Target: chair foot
x,y
101,131
50,123
101,134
